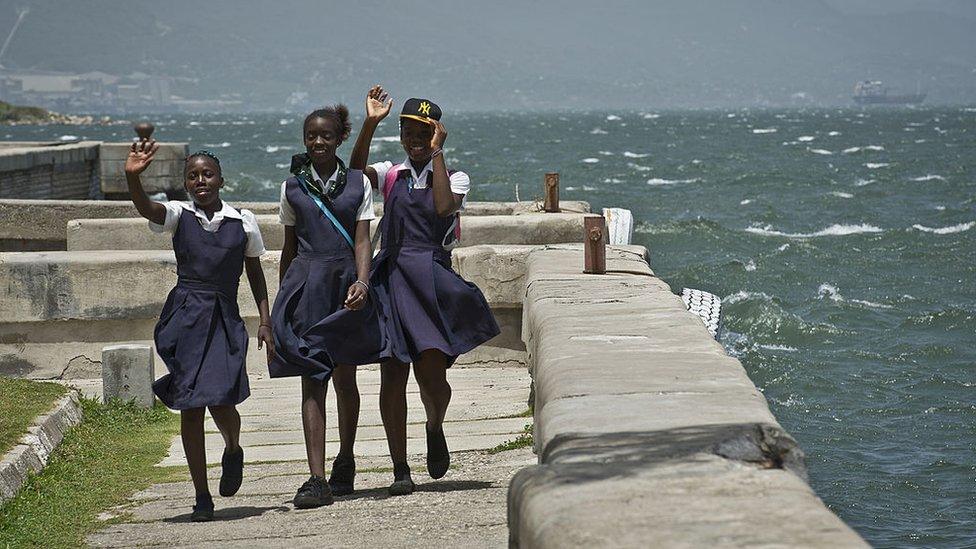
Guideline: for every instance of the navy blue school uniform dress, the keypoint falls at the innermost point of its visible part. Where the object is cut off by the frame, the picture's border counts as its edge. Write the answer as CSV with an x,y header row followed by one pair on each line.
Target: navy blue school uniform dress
x,y
426,304
200,335
313,331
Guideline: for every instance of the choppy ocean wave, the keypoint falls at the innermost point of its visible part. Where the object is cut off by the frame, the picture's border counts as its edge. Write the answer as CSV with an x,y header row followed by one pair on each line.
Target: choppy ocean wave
x,y
946,230
833,230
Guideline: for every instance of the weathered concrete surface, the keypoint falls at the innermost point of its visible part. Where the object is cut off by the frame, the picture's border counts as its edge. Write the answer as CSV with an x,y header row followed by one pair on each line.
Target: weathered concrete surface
x,y
58,309
464,509
645,428
34,449
28,225
133,234
128,374
61,171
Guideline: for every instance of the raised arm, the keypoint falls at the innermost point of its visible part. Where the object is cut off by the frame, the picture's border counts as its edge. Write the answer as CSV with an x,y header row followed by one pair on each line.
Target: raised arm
x,y
378,105
446,201
140,156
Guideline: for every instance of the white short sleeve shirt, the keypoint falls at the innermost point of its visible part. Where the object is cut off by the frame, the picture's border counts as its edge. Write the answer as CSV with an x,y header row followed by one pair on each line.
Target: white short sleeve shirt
x,y
254,247
460,182
286,214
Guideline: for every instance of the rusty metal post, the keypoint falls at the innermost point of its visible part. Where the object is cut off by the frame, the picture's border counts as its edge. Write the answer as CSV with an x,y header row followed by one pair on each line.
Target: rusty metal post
x,y
144,130
551,188
594,245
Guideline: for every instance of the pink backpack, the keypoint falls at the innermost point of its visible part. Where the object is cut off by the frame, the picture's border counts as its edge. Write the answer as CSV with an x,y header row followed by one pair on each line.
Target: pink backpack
x,y
455,229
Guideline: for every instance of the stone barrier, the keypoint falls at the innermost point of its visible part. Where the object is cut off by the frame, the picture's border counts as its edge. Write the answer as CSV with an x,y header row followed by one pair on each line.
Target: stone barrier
x,y
35,225
128,373
134,234
164,175
647,432
62,171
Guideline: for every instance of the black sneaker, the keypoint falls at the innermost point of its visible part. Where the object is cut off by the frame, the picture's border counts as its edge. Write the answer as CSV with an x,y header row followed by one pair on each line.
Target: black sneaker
x,y
438,457
402,483
343,475
203,511
232,472
314,493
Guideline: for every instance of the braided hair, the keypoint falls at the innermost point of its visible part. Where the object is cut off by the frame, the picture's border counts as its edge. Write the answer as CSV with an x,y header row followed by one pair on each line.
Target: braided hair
x,y
206,153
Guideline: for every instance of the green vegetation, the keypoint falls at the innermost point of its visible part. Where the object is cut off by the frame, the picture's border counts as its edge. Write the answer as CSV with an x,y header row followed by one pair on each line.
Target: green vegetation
x,y
13,113
102,461
524,440
23,400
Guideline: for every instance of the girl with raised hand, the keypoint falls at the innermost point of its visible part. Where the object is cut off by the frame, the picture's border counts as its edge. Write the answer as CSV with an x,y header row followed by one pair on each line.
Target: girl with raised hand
x,y
200,334
432,314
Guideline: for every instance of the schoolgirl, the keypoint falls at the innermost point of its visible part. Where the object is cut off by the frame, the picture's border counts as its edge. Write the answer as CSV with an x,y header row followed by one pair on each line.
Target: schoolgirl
x,y
325,320
200,335
432,315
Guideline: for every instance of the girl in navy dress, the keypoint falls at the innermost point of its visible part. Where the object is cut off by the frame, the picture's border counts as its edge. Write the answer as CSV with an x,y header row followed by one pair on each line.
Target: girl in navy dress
x,y
432,314
200,335
325,320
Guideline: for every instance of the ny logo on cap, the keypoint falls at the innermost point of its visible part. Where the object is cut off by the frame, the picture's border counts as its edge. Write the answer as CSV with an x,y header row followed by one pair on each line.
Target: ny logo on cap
x,y
424,108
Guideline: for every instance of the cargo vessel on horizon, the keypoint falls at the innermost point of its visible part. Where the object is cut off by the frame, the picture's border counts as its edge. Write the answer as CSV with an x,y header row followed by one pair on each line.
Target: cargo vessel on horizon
x,y
874,92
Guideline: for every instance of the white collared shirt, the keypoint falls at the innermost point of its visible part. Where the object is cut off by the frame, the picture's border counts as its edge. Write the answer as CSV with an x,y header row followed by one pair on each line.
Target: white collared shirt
x,y
286,214
254,246
460,182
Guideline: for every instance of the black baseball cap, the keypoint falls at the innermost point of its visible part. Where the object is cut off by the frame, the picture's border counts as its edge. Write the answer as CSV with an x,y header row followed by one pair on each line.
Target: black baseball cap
x,y
423,110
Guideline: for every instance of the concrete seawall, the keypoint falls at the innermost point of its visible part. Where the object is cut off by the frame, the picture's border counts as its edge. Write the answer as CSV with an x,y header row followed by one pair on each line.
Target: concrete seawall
x,y
133,234
34,225
647,432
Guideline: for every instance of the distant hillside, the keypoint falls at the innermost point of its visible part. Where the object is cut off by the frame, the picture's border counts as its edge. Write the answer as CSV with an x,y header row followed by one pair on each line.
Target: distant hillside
x,y
512,54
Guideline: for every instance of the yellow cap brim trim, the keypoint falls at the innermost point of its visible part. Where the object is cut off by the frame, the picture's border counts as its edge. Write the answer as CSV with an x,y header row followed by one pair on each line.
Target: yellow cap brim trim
x,y
420,118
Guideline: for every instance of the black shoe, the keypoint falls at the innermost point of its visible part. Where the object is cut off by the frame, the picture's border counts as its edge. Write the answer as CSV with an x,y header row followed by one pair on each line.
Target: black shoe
x,y
314,493
203,510
232,472
343,475
438,457
402,483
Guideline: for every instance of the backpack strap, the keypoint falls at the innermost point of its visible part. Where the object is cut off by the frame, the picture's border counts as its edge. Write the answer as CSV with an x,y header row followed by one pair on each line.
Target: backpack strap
x,y
391,177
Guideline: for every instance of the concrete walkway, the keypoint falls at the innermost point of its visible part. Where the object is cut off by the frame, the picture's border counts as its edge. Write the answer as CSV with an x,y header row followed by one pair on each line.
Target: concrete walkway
x,y
465,508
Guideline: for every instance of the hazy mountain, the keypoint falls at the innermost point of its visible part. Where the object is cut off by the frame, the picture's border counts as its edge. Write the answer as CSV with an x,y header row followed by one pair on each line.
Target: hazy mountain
x,y
528,54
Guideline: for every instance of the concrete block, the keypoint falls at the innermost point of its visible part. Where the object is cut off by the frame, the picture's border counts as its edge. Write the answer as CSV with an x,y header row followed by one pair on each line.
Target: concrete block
x,y
128,373
165,173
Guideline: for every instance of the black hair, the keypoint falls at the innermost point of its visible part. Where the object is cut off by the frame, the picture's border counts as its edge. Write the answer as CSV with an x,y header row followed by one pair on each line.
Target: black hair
x,y
338,113
206,153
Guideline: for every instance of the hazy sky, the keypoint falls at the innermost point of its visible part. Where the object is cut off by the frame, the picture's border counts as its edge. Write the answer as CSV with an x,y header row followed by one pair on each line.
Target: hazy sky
x,y
509,54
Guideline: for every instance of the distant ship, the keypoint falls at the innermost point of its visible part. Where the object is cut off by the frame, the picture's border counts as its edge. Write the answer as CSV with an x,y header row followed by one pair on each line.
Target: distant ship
x,y
874,92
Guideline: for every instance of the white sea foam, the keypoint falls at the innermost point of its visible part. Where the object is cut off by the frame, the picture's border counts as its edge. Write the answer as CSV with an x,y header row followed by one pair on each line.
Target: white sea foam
x,y
840,194
282,165
784,348
605,153
612,180
783,248
590,160
876,165
388,139
598,131
742,296
834,134
805,138
651,116
863,182
612,117
824,152
750,266
194,123
657,181
638,167
833,230
829,291
946,230
746,201
629,154
68,138
272,149
929,177
223,145
871,304
765,130
284,121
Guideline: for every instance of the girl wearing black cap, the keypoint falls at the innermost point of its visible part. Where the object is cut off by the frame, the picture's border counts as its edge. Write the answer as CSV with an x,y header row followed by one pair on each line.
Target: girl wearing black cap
x,y
200,335
432,314
325,320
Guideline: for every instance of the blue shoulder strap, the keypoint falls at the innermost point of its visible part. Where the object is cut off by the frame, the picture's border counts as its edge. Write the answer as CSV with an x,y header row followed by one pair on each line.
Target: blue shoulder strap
x,y
328,213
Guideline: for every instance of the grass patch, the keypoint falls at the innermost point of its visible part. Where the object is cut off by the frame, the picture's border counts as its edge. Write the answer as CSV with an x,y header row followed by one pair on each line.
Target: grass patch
x,y
100,462
23,400
524,440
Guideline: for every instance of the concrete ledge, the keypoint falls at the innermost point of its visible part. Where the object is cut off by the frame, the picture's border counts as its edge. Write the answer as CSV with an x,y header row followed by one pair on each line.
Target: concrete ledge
x,y
640,414
58,309
36,446
134,233
164,174
28,225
